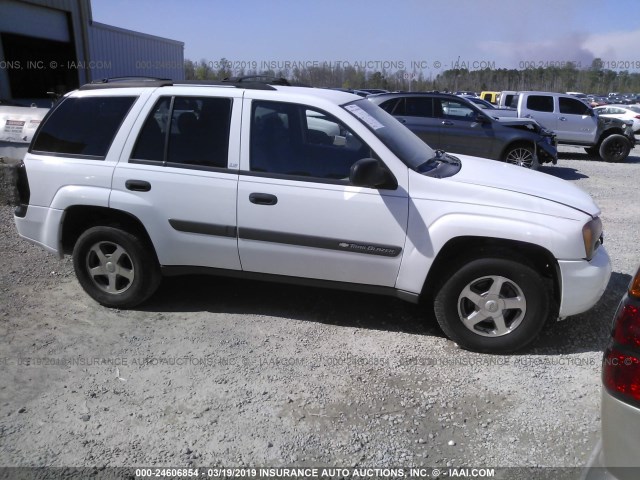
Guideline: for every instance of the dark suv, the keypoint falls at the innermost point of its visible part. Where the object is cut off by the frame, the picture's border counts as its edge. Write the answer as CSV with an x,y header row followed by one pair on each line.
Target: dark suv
x,y
454,124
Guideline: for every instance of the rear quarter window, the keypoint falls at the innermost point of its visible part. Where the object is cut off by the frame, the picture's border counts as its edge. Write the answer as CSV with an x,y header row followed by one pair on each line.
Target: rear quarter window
x,y
82,126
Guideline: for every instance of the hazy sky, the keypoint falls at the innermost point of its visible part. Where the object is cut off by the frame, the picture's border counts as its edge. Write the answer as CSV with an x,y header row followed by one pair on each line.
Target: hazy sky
x,y
432,34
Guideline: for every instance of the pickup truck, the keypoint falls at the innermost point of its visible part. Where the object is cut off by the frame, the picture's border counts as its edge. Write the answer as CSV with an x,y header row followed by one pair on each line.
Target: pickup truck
x,y
574,123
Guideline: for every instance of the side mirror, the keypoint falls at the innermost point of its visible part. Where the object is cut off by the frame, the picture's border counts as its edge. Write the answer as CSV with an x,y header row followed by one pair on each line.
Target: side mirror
x,y
369,172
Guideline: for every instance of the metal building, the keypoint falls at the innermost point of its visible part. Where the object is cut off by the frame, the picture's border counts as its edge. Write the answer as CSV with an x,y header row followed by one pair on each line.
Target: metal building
x,y
55,46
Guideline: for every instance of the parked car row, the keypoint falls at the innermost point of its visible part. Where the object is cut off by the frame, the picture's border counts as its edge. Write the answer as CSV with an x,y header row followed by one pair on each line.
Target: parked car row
x,y
453,124
523,129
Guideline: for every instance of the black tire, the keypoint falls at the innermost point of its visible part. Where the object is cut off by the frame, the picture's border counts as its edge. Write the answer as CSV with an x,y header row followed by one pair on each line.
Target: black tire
x,y
592,151
615,148
122,282
523,286
522,155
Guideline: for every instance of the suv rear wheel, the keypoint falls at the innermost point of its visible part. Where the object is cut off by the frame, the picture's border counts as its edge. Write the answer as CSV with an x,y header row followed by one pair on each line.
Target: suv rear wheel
x,y
115,267
492,305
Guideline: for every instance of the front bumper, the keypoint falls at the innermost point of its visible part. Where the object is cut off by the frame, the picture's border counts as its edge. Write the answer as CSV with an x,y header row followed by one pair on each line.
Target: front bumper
x,y
547,152
630,135
583,282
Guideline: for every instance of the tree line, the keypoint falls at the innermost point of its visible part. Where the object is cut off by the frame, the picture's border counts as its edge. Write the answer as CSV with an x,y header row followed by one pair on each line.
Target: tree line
x,y
565,78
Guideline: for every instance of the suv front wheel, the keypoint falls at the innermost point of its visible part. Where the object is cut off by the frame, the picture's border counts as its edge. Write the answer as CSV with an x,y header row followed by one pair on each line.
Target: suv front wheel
x,y
115,267
615,148
523,156
494,305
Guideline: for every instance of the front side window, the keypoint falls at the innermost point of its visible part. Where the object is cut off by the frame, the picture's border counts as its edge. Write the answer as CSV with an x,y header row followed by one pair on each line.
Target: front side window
x,y
183,131
540,103
455,110
395,106
573,107
82,126
292,139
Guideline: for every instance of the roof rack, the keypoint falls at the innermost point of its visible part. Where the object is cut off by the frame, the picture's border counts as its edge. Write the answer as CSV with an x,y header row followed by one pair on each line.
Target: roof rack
x,y
226,83
125,82
253,82
269,80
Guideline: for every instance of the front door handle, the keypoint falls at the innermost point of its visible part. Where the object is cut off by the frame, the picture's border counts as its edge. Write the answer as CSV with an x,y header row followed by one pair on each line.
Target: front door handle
x,y
447,122
137,185
263,199
563,119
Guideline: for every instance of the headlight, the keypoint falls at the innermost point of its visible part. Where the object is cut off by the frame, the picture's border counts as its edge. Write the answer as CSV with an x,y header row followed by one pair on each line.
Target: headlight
x,y
592,236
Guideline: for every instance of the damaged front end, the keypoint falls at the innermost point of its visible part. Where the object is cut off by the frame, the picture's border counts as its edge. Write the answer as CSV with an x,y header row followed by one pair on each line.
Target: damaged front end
x,y
545,148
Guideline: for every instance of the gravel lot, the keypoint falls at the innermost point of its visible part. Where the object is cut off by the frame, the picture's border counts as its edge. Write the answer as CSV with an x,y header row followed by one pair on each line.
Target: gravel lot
x,y
237,373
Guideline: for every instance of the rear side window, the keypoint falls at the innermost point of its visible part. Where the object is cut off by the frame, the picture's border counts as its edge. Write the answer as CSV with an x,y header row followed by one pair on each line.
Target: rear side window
x,y
419,107
508,98
540,103
186,131
82,126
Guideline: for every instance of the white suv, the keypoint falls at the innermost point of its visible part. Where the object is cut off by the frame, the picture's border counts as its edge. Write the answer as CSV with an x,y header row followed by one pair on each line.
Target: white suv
x,y
137,179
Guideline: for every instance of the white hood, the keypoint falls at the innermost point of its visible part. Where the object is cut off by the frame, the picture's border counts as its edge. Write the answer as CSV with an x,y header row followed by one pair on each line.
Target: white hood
x,y
493,174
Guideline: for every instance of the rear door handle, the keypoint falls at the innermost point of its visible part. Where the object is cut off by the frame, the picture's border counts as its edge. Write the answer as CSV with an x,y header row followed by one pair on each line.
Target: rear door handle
x,y
137,185
447,122
263,199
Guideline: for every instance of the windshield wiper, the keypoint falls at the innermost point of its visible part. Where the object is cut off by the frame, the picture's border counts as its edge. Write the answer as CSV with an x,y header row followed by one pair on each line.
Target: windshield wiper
x,y
442,156
439,158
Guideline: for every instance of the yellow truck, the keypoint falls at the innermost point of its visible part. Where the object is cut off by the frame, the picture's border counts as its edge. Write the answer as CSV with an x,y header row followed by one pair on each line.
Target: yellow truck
x,y
491,97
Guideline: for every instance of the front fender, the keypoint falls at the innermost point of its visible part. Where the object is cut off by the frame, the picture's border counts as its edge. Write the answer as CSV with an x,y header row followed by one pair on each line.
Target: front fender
x,y
428,234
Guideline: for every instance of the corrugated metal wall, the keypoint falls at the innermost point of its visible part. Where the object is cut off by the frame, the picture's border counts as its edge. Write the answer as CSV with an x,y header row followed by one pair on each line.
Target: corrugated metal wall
x,y
116,52
76,14
97,50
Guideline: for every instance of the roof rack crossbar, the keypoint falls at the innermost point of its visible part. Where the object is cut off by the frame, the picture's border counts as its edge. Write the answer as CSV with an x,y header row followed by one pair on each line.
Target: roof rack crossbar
x,y
252,82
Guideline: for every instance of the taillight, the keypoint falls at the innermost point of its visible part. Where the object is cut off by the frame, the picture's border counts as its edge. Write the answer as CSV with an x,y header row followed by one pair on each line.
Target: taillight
x,y
637,116
621,375
22,187
626,329
621,362
634,286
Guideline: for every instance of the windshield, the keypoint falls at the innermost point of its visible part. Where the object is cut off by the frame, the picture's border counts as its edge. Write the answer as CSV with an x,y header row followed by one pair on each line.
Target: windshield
x,y
398,138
